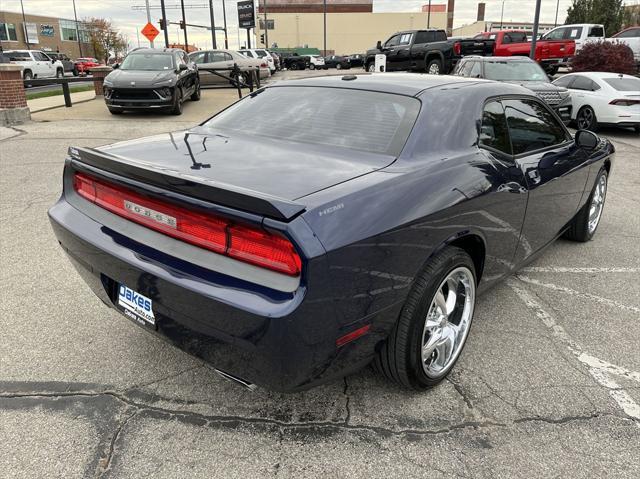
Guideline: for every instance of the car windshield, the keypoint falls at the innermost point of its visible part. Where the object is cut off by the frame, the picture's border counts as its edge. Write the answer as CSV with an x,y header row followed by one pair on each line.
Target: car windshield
x,y
514,71
148,62
261,53
624,84
325,116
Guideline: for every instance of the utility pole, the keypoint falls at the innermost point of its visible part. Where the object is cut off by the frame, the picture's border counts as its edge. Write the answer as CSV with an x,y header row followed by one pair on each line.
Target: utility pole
x,y
184,22
24,25
429,15
324,53
501,14
138,36
555,24
266,27
165,23
75,17
224,18
146,3
534,38
213,25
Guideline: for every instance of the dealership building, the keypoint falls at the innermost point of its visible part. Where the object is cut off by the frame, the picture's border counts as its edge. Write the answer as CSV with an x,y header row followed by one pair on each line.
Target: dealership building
x,y
49,34
352,25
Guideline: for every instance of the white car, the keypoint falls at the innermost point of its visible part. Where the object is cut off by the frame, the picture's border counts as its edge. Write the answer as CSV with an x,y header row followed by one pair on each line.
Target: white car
x,y
225,59
631,38
316,62
261,54
36,64
580,33
600,98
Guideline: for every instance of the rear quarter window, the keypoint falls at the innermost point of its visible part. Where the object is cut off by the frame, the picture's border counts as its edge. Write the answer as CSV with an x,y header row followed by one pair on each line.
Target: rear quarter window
x,y
624,84
325,116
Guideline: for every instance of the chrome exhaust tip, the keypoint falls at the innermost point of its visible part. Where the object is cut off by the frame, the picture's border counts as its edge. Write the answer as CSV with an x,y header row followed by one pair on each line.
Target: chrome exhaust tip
x,y
236,380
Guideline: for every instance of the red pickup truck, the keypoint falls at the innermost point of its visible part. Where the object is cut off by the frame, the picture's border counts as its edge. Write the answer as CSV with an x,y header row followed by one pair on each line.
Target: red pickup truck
x,y
550,54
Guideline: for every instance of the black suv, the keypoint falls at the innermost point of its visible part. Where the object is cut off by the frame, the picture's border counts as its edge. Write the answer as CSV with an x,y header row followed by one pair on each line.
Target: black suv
x,y
152,78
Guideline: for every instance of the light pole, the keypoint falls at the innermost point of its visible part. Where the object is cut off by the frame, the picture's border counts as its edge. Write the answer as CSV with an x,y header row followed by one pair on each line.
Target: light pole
x,y
213,25
501,14
534,38
325,28
184,23
75,17
555,24
24,25
429,15
146,2
224,19
166,25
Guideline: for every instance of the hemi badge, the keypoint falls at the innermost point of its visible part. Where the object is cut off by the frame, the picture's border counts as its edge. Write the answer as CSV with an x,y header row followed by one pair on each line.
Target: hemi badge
x,y
151,214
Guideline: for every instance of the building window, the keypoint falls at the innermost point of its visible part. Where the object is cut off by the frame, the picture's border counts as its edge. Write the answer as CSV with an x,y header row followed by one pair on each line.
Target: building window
x,y
270,24
8,32
69,32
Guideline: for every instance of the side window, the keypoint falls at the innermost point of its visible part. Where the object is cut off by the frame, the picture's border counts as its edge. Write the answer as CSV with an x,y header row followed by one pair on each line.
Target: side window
x,y
405,38
573,33
227,57
557,34
476,70
564,81
506,38
424,37
494,132
583,83
198,58
393,41
518,37
596,32
532,126
216,57
465,68
631,33
41,57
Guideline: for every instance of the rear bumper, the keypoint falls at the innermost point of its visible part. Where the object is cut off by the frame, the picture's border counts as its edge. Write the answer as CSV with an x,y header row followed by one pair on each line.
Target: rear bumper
x,y
281,341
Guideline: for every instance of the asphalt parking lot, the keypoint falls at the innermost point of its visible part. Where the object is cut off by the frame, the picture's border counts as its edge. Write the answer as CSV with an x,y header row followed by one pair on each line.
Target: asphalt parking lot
x,y
547,386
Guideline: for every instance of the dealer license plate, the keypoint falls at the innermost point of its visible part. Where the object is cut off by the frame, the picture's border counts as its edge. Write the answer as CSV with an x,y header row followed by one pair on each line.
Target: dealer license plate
x,y
135,305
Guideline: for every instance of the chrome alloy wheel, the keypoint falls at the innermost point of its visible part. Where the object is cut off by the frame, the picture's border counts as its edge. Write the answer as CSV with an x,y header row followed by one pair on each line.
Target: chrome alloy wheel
x,y
434,69
597,203
448,322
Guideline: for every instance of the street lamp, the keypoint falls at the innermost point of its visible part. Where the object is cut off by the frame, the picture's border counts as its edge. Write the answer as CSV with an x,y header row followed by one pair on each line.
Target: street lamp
x,y
501,14
555,24
75,17
24,25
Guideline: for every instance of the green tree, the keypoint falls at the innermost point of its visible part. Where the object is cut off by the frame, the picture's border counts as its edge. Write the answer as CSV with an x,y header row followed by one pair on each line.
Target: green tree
x,y
104,38
609,13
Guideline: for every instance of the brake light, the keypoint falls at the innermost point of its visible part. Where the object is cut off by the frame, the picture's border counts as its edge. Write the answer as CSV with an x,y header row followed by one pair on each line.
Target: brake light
x,y
457,48
624,102
244,243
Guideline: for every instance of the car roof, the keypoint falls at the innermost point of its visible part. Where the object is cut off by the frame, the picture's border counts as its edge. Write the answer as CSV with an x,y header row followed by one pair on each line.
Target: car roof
x,y
155,50
410,84
601,75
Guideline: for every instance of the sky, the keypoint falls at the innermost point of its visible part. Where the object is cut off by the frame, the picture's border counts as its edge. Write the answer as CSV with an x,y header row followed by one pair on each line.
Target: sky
x,y
127,20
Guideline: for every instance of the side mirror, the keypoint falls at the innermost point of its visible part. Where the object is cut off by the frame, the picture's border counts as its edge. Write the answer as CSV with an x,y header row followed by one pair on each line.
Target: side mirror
x,y
586,139
182,67
115,66
379,45
53,60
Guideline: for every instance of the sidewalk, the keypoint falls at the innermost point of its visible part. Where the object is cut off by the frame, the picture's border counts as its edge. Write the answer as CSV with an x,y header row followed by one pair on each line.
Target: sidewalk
x,y
46,103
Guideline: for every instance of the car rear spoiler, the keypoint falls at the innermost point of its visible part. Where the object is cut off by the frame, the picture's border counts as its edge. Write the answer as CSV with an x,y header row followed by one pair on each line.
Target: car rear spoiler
x,y
92,160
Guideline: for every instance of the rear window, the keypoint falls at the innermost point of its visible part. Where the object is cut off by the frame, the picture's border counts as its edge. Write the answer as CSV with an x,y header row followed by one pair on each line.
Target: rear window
x,y
596,32
325,116
624,84
18,56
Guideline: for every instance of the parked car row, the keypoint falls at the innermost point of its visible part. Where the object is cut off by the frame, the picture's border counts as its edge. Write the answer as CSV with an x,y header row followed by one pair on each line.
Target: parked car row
x,y
39,64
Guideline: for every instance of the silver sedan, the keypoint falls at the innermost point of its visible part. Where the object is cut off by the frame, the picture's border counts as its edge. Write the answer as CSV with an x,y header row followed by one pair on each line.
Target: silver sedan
x,y
224,60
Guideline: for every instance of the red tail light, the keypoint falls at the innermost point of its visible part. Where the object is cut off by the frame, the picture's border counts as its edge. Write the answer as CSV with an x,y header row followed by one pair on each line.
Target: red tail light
x,y
457,48
624,102
251,245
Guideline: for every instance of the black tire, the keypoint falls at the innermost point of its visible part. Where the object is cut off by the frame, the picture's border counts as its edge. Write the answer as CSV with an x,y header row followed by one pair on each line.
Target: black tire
x,y
177,102
195,96
399,359
115,111
294,66
586,119
75,72
59,73
27,75
312,66
434,67
580,229
371,67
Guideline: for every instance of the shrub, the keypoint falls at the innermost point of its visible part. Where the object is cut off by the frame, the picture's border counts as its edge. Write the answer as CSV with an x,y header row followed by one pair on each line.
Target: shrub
x,y
604,56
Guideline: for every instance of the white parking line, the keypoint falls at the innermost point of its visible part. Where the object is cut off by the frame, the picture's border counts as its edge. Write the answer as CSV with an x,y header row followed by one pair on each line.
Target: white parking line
x,y
600,370
561,269
573,292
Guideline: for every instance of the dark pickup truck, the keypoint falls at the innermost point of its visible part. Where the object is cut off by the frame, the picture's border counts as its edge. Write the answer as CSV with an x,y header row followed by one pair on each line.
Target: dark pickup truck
x,y
426,51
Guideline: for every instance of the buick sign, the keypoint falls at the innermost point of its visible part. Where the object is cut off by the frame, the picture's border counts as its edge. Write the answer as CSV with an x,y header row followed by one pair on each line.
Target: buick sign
x,y
246,14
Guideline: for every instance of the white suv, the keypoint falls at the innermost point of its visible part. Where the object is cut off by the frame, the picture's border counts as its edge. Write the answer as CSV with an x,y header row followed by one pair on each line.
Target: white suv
x,y
317,62
36,64
261,53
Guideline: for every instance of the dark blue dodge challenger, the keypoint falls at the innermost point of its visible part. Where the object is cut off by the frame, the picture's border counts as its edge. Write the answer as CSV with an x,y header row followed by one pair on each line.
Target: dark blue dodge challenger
x,y
318,225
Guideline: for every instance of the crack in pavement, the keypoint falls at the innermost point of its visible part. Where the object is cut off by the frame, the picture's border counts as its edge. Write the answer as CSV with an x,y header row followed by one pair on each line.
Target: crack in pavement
x,y
104,464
